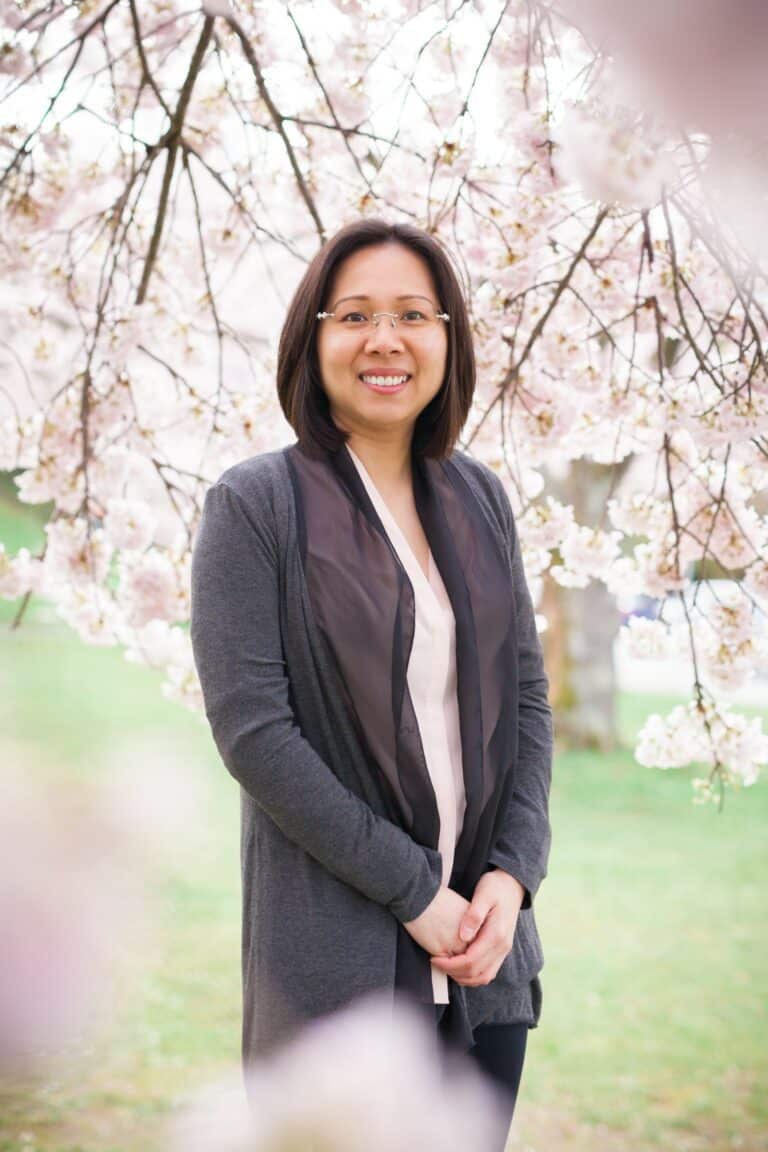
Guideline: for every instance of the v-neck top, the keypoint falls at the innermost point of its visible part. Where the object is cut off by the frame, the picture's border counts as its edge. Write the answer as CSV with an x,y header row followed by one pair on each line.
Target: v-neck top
x,y
432,687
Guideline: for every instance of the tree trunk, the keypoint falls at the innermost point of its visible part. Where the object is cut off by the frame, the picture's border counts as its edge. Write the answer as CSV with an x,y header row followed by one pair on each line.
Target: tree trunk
x,y
583,624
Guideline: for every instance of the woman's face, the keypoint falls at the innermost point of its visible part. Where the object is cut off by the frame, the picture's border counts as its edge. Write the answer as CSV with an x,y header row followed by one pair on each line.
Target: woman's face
x,y
385,278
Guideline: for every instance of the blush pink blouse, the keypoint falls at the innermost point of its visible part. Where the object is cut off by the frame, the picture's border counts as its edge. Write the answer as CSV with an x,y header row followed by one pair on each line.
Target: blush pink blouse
x,y
432,686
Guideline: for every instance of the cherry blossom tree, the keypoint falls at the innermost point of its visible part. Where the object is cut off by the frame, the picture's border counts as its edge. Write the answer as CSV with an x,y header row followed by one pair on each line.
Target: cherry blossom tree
x,y
166,172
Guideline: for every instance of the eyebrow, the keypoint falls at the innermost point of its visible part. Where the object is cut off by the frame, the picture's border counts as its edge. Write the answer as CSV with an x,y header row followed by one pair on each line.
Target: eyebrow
x,y
403,296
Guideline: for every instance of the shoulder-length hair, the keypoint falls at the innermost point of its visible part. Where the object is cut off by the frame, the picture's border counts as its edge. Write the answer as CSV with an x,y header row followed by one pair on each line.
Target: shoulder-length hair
x,y
299,383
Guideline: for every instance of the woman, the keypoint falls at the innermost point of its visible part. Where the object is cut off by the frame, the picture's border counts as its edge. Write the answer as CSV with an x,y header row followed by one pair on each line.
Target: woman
x,y
372,674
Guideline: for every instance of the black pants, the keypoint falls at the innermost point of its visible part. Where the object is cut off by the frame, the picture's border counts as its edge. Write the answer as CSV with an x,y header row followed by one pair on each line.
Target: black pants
x,y
499,1051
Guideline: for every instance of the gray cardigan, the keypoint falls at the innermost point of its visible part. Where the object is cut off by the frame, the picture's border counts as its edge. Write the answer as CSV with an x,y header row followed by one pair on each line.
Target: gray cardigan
x,y
325,875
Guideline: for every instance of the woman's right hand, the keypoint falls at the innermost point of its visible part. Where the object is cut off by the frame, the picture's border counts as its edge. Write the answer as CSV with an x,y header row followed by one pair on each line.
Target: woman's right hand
x,y
437,928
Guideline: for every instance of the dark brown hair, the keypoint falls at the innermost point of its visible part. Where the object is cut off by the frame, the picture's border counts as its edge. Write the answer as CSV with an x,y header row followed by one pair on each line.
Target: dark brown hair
x,y
299,383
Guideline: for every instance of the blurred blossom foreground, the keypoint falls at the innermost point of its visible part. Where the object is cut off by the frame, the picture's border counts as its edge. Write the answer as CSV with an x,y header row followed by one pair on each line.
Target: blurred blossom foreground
x,y
70,903
369,1077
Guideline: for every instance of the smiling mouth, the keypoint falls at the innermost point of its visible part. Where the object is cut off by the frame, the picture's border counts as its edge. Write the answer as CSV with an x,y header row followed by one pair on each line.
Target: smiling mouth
x,y
385,380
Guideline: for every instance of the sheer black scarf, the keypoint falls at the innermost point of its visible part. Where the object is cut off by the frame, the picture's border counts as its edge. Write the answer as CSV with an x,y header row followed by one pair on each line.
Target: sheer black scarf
x,y
363,602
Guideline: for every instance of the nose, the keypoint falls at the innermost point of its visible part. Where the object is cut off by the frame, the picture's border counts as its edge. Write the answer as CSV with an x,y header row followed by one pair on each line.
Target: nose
x,y
384,337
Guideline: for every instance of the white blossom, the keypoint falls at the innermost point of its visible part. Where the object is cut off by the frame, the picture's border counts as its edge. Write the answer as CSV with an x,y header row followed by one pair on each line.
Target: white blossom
x,y
756,579
19,574
129,524
589,551
74,555
157,643
673,741
646,639
613,157
545,524
689,734
149,588
90,610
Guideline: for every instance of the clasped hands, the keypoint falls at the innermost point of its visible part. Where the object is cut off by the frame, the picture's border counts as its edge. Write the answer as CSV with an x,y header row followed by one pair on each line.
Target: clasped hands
x,y
470,940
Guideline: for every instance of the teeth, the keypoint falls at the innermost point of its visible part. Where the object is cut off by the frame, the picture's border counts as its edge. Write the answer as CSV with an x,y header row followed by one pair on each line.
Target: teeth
x,y
385,381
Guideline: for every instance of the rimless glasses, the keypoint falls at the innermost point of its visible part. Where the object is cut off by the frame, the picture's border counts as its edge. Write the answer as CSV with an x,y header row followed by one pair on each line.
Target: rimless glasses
x,y
419,317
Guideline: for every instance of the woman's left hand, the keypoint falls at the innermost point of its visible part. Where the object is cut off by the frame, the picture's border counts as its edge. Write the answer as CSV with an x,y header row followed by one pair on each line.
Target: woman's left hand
x,y
489,923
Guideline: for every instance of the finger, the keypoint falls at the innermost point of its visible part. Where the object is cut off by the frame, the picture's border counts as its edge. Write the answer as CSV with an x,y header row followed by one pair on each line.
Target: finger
x,y
487,951
484,952
453,965
477,956
483,975
459,969
480,979
474,917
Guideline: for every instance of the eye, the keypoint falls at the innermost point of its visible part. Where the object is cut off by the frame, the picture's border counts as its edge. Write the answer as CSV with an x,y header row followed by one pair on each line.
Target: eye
x,y
354,318
414,316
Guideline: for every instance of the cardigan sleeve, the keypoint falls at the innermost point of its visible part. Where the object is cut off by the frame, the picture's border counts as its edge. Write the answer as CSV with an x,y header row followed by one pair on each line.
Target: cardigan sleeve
x,y
522,846
238,653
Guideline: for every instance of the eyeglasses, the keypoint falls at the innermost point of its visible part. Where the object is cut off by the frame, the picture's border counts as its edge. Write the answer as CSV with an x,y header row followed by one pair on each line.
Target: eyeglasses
x,y
358,320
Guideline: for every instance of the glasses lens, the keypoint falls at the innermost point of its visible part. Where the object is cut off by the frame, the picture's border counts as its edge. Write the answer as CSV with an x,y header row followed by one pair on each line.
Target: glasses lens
x,y
352,318
418,314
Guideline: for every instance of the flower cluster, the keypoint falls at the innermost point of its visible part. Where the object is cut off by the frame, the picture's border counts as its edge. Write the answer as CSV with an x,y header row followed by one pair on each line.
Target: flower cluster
x,y
146,276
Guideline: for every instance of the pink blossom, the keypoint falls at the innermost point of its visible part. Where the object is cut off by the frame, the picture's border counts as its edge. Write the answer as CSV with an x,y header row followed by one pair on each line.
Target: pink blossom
x,y
689,734
673,741
543,423
12,445
545,524
62,941
612,158
14,61
334,1084
535,562
638,513
169,649
732,617
756,579
183,686
646,639
149,588
74,555
568,577
726,667
114,468
129,524
741,744
156,643
658,567
624,577
700,63
90,610
19,574
588,551
11,15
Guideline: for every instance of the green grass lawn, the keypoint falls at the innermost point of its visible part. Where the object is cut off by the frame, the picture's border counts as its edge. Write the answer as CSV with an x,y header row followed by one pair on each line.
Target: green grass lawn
x,y
654,1025
653,919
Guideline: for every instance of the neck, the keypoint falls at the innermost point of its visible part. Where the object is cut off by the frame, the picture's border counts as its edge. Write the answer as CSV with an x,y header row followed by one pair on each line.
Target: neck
x,y
388,463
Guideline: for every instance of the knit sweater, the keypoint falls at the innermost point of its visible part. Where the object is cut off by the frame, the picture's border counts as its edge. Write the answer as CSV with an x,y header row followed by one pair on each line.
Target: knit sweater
x,y
325,875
